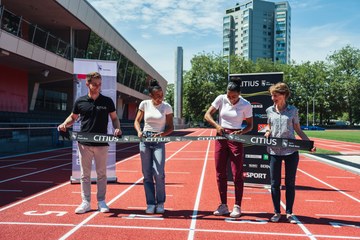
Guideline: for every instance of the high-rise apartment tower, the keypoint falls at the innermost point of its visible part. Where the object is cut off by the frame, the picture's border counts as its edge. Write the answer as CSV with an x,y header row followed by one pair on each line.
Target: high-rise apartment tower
x,y
258,29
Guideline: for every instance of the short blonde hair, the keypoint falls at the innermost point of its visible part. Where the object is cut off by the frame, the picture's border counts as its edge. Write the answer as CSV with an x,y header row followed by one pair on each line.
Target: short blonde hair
x,y
92,75
280,88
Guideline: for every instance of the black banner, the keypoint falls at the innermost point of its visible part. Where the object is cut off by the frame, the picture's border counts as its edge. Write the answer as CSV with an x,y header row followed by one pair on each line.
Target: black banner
x,y
254,88
246,139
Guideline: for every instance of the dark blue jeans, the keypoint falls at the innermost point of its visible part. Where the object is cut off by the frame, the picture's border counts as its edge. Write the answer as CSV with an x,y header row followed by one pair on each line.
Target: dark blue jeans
x,y
291,163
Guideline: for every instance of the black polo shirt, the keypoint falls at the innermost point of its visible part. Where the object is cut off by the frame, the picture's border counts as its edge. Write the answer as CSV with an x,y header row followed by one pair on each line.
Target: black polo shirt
x,y
94,115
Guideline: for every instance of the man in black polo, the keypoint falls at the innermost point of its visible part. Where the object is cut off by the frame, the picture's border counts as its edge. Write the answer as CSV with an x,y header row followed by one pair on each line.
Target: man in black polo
x,y
93,110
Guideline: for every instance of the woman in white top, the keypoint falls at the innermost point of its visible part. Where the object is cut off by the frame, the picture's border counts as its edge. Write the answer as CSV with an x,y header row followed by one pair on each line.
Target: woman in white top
x,y
158,122
233,110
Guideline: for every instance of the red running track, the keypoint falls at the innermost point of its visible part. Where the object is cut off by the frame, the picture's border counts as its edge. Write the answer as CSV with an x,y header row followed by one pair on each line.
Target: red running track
x,y
38,201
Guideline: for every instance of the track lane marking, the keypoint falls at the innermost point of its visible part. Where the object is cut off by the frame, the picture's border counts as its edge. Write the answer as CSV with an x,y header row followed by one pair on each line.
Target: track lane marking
x,y
335,215
32,197
176,229
10,190
29,181
33,173
35,160
330,186
299,223
322,201
198,196
83,223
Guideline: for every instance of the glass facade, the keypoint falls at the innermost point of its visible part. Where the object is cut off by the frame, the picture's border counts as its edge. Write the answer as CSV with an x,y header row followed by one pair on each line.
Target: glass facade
x,y
263,30
129,74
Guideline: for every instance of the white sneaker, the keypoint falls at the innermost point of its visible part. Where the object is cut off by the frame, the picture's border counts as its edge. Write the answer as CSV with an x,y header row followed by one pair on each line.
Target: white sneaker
x,y
236,212
83,207
150,209
160,208
221,210
102,207
291,218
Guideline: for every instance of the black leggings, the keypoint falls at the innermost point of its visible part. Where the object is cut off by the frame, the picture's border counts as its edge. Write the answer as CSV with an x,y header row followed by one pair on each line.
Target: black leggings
x,y
291,163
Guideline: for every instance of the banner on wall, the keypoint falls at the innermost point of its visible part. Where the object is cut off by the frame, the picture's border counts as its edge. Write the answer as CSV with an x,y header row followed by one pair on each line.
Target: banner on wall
x,y
254,88
108,72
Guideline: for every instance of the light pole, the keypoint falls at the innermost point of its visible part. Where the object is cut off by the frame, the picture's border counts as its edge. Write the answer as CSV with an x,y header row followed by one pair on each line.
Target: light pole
x,y
307,112
229,54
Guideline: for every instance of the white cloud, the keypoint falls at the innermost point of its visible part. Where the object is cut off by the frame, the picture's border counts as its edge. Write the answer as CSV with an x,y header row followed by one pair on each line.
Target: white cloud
x,y
316,43
167,17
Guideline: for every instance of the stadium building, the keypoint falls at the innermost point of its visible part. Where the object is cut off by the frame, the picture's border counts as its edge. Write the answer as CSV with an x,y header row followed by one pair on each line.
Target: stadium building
x,y
39,40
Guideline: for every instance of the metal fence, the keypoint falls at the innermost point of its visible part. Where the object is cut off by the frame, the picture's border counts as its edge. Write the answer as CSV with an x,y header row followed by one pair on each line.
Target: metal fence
x,y
19,138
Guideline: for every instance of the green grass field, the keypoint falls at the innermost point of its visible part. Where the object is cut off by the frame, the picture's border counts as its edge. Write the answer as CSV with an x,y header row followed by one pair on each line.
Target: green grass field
x,y
340,135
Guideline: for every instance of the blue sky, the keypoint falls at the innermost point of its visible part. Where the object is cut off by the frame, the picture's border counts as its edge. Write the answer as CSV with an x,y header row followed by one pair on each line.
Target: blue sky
x,y
157,28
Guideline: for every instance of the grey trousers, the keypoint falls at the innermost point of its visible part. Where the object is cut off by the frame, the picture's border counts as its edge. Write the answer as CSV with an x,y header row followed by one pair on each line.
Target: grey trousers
x,y
86,155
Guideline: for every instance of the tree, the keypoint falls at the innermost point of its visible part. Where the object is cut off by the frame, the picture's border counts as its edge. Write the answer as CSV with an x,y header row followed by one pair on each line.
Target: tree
x,y
169,97
206,79
345,65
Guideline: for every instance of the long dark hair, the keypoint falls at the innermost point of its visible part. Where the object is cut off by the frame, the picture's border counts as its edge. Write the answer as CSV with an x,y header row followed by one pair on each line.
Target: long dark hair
x,y
154,85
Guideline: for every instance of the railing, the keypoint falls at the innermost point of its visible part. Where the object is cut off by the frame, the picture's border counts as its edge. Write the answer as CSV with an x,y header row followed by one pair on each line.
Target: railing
x,y
30,32
19,138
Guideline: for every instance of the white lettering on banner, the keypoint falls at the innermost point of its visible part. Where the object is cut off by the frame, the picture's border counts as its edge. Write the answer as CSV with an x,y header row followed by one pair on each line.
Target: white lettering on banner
x,y
206,138
258,115
144,217
256,105
257,221
262,140
162,139
105,138
249,83
254,156
255,175
34,213
264,166
339,225
253,165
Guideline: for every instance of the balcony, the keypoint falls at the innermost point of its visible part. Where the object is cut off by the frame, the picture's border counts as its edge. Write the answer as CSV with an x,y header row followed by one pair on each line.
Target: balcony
x,y
34,34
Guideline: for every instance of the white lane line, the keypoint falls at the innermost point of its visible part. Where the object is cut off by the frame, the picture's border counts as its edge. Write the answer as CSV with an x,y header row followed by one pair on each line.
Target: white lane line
x,y
322,201
336,189
334,215
52,189
28,181
127,171
80,192
143,217
38,224
9,190
78,226
340,177
140,208
176,229
300,224
35,160
178,172
198,196
32,197
32,173
340,165
57,205
24,168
